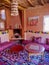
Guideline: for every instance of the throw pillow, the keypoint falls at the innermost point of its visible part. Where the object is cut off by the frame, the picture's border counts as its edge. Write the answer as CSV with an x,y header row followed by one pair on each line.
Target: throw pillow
x,y
47,41
38,39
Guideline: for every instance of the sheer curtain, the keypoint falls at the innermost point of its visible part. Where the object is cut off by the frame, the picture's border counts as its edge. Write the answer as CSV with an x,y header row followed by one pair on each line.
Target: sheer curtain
x,y
46,24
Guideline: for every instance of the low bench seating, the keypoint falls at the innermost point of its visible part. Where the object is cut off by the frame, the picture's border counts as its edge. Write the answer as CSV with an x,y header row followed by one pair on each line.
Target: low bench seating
x,y
6,45
29,41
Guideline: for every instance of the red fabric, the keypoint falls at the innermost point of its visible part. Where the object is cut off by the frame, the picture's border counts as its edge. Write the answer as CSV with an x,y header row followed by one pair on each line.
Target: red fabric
x,y
16,48
1,63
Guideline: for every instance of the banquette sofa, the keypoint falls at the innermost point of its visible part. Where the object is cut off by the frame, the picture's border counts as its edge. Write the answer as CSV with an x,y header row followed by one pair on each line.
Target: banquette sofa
x,y
38,41
6,45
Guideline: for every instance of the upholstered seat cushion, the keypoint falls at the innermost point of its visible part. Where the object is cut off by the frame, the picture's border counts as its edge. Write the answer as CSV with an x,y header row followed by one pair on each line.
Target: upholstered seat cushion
x,y
46,46
16,48
6,45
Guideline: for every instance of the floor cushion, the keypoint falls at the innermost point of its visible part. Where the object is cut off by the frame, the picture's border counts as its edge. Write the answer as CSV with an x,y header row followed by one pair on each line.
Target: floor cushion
x,y
16,48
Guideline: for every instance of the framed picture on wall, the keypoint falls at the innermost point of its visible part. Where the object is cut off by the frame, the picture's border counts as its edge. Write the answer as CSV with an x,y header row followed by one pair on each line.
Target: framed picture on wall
x,y
32,21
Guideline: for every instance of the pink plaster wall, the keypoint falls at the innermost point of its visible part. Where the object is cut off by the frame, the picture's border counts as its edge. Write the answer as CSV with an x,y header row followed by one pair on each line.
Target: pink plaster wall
x,y
37,11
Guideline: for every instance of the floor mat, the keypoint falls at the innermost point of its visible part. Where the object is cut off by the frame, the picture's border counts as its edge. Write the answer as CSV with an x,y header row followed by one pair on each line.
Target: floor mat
x,y
22,58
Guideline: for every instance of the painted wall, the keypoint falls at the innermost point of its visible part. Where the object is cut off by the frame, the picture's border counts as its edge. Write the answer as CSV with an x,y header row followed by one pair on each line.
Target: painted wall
x,y
12,21
15,21
37,11
7,24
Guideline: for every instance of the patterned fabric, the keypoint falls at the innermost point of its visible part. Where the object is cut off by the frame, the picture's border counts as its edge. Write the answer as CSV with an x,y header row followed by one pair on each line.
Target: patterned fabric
x,y
21,58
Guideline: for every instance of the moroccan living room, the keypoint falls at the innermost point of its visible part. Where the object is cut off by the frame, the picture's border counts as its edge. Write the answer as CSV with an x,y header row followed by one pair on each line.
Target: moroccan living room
x,y
24,32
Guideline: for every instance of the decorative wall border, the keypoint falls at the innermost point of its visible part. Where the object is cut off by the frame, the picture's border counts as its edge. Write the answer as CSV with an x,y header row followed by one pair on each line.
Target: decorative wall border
x,y
3,32
41,32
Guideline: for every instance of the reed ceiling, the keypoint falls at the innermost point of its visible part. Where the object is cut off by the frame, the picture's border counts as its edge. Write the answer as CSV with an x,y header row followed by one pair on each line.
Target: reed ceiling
x,y
25,3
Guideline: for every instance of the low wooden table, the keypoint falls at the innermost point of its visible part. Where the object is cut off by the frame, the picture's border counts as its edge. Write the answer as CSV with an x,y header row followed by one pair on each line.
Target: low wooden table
x,y
34,49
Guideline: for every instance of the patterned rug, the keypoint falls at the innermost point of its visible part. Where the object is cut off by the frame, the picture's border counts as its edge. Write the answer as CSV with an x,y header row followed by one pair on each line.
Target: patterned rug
x,y
21,58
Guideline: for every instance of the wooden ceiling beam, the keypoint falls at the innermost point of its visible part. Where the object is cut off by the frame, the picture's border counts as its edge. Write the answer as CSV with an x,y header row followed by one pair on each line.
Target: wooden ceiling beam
x,y
29,1
45,1
21,8
4,5
23,4
40,2
8,1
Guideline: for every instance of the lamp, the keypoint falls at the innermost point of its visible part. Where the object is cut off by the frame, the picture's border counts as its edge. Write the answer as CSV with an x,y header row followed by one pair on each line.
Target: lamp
x,y
14,8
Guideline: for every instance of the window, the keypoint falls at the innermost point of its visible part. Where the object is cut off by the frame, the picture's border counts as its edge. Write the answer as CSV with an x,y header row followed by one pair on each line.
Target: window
x,y
3,14
46,24
1,25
